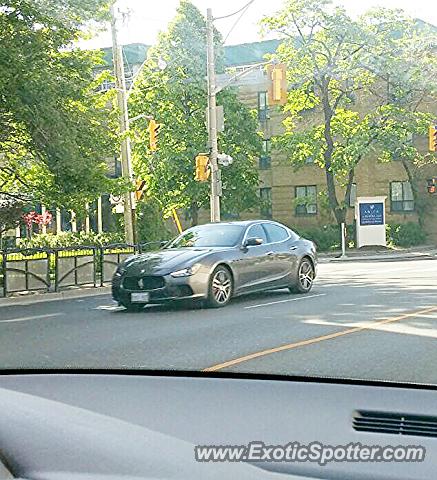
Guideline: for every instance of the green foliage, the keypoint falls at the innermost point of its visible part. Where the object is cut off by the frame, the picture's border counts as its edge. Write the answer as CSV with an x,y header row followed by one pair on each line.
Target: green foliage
x,y
68,239
11,212
151,225
177,98
408,234
383,59
326,238
54,133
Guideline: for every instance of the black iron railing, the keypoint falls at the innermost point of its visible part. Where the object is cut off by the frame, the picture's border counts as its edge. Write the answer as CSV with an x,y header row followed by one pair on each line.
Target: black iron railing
x,y
54,269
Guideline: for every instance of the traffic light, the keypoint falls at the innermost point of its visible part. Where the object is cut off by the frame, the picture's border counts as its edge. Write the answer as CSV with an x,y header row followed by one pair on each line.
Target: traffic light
x,y
153,130
202,168
139,189
277,74
432,185
433,138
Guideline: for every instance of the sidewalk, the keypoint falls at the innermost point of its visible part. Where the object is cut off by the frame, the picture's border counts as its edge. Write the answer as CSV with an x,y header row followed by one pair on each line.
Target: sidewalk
x,y
30,298
381,254
377,254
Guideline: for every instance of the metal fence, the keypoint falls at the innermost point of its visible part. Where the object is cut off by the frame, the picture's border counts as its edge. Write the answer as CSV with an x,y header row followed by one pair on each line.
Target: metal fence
x,y
54,269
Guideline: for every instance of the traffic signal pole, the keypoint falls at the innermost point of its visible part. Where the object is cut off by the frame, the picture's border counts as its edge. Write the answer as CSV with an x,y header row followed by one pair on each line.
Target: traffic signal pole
x,y
126,162
212,114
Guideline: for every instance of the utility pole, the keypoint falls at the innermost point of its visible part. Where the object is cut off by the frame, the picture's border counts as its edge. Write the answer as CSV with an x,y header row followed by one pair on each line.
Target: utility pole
x,y
212,114
126,164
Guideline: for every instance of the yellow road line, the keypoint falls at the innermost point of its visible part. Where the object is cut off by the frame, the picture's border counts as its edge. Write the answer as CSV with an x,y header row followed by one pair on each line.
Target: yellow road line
x,y
310,341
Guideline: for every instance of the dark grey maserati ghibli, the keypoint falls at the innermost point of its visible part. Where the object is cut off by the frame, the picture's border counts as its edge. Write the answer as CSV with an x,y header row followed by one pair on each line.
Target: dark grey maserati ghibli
x,y
216,262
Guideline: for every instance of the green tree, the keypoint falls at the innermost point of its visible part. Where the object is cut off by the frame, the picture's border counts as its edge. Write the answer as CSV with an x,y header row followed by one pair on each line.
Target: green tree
x,y
11,211
335,65
54,131
177,98
405,65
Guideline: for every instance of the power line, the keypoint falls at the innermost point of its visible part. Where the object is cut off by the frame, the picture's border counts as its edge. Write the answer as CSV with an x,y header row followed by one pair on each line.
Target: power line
x,y
236,21
235,13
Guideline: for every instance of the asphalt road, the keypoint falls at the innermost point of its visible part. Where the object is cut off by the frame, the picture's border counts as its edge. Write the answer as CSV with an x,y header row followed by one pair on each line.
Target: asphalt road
x,y
370,320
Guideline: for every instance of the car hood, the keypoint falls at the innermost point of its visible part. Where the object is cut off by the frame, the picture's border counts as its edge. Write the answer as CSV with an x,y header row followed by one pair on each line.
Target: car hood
x,y
166,261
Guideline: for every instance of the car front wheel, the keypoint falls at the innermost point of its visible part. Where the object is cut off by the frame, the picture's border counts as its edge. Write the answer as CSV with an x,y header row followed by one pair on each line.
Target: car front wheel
x,y
220,287
305,277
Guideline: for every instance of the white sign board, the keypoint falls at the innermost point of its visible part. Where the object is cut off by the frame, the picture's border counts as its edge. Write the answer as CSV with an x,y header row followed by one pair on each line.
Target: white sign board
x,y
370,221
117,201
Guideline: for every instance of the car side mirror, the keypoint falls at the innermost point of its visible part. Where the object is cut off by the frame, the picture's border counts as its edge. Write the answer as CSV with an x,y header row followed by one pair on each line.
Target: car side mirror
x,y
253,242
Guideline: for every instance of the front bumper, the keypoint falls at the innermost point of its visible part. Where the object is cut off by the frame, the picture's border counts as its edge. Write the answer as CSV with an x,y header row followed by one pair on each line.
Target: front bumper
x,y
167,289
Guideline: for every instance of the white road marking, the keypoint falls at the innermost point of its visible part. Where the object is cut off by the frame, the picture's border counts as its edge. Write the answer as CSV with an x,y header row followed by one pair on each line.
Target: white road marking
x,y
284,301
421,328
35,317
110,308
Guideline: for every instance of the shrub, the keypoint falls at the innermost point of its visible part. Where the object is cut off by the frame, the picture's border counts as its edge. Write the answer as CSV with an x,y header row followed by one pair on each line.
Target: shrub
x,y
69,239
405,234
326,238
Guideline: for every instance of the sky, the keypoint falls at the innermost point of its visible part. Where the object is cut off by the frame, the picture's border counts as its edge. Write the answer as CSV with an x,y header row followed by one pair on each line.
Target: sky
x,y
148,17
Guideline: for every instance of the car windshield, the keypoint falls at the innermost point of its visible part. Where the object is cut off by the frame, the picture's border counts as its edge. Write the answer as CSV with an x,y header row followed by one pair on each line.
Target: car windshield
x,y
209,236
276,159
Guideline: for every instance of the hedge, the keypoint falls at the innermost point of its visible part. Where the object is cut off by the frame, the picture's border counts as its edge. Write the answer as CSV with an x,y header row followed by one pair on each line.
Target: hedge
x,y
328,237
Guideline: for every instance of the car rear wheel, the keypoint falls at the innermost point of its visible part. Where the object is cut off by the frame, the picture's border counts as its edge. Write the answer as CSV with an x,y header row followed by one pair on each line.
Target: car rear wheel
x,y
220,288
133,307
305,277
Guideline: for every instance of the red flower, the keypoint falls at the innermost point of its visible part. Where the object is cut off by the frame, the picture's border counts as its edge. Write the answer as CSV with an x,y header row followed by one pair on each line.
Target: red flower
x,y
34,217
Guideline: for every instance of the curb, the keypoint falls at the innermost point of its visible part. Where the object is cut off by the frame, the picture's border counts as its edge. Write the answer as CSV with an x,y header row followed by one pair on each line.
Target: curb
x,y
31,298
379,258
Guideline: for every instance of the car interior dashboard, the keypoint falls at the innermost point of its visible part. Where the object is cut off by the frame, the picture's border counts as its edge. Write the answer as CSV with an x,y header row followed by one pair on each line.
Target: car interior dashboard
x,y
58,425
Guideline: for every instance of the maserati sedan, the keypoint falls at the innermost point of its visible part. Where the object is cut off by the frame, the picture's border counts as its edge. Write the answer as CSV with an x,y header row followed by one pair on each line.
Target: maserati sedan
x,y
216,262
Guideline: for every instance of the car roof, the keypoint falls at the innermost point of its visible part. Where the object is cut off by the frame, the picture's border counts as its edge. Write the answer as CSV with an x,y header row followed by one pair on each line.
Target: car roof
x,y
244,223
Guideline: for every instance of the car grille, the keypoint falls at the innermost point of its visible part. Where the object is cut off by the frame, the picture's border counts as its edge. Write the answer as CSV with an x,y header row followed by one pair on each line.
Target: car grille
x,y
149,282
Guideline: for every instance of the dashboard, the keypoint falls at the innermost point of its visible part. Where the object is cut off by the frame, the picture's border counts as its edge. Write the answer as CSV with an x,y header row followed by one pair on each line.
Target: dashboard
x,y
137,425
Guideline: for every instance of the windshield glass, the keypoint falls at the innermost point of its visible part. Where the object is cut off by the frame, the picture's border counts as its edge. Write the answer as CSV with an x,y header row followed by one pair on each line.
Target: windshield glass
x,y
209,236
252,189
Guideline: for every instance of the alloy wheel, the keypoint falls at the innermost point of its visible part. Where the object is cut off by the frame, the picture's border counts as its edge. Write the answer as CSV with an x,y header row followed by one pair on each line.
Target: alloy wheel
x,y
306,275
221,286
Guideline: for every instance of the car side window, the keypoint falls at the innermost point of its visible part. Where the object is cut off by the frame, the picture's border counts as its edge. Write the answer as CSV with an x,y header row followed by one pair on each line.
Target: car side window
x,y
257,231
275,233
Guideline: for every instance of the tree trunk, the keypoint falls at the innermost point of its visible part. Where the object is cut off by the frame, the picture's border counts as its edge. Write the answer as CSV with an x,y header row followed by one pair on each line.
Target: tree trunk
x,y
327,156
339,213
194,214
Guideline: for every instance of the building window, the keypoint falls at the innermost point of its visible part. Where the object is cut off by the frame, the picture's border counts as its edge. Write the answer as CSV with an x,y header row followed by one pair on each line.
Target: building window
x,y
353,196
265,195
66,218
106,85
265,160
262,106
306,200
401,197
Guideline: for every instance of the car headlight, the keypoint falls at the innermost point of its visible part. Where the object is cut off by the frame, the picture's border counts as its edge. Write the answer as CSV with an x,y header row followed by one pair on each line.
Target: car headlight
x,y
186,272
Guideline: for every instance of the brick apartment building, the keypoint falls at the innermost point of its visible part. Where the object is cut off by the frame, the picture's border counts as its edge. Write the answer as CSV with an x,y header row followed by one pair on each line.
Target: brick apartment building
x,y
282,184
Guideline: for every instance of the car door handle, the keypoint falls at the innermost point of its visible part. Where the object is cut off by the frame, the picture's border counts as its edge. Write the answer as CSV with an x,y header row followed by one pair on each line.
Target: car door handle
x,y
293,248
270,253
